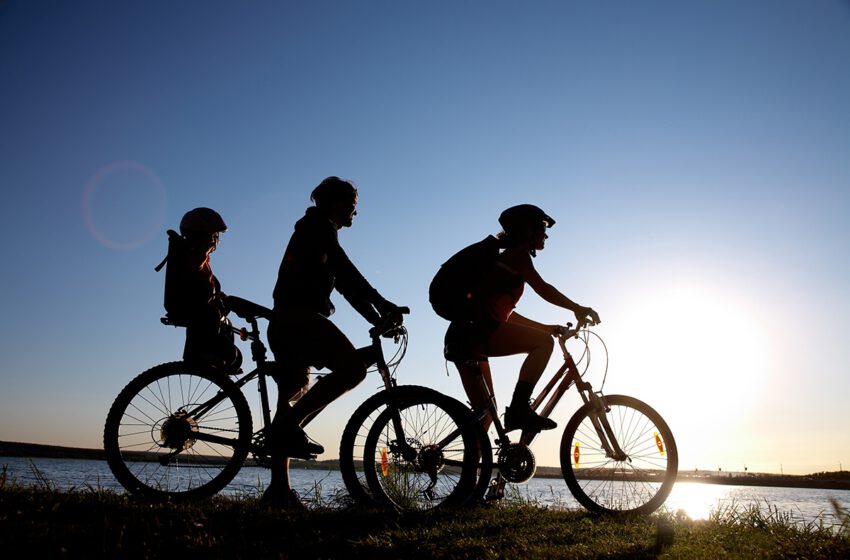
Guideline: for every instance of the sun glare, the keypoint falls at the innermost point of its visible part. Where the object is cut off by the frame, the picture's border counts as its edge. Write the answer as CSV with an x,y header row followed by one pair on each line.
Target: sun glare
x,y
701,362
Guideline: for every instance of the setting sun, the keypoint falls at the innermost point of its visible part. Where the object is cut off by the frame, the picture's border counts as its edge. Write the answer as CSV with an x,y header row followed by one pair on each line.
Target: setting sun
x,y
702,366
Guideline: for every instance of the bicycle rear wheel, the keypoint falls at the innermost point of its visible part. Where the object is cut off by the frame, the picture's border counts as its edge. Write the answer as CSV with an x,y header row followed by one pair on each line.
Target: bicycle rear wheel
x,y
177,432
426,468
642,480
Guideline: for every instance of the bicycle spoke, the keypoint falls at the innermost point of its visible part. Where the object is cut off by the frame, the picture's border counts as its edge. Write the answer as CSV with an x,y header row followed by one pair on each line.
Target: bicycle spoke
x,y
151,422
642,480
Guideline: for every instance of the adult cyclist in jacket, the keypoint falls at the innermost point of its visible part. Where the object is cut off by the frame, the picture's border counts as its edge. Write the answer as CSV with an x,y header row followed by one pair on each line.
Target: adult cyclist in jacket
x,y
301,334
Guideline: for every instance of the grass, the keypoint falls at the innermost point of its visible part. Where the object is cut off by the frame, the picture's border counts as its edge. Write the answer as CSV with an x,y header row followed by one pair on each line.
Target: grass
x,y
90,522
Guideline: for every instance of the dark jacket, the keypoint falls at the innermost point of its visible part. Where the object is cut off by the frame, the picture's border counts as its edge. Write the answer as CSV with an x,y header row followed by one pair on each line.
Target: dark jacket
x,y
313,265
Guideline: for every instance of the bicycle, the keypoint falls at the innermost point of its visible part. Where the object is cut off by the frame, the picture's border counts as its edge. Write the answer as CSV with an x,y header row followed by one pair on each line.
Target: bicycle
x,y
617,454
183,431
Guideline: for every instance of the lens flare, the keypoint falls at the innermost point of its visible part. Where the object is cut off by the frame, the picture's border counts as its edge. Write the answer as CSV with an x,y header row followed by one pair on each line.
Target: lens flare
x,y
123,205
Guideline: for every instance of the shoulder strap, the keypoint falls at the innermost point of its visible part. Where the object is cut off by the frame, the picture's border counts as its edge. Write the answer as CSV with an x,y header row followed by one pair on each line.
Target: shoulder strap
x,y
172,236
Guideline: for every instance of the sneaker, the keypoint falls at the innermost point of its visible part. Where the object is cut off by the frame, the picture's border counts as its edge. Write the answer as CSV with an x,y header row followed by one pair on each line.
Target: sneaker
x,y
282,499
524,418
295,443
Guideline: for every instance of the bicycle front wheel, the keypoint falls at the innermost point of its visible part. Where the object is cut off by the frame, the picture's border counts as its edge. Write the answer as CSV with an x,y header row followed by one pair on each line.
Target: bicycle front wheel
x,y
353,441
638,480
432,463
177,432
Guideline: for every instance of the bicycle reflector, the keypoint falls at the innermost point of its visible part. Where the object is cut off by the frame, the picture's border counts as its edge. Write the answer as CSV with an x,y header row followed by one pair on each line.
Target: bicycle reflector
x,y
243,334
385,464
576,454
659,444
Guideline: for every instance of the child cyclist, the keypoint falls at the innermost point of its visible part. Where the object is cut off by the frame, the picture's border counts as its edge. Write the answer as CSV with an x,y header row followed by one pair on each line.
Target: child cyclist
x,y
193,296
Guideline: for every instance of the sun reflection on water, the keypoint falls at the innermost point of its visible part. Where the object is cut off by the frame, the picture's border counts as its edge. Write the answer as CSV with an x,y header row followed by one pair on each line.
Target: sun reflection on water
x,y
697,501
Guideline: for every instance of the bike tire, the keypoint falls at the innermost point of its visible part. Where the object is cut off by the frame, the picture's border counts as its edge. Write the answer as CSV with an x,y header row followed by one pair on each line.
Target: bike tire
x,y
603,485
352,443
435,477
147,423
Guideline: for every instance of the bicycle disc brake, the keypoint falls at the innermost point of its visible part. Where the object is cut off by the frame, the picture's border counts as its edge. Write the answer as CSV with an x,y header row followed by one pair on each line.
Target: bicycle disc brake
x,y
516,463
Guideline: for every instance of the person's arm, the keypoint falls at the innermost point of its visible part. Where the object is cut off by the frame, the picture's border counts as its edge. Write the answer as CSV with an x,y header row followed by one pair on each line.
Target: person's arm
x,y
356,289
550,293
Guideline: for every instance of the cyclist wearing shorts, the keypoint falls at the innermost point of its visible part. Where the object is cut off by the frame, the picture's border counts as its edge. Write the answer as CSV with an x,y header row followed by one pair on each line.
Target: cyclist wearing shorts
x,y
301,334
495,329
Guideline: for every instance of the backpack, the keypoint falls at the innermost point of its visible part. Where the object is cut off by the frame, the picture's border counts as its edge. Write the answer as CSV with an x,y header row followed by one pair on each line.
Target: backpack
x,y
176,245
455,292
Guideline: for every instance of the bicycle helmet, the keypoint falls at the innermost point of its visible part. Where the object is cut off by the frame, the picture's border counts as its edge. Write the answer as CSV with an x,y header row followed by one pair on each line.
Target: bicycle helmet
x,y
202,221
519,217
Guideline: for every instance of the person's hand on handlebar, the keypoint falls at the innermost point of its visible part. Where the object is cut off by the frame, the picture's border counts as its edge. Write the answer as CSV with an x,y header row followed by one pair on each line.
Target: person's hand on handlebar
x,y
389,321
586,316
558,330
386,307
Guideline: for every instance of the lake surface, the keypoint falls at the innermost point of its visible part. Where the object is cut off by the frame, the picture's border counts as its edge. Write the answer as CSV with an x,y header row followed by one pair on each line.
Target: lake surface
x,y
698,501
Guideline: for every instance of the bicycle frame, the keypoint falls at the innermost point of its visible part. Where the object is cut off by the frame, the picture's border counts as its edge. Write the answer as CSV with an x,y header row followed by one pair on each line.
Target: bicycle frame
x,y
408,452
565,377
569,375
372,354
258,355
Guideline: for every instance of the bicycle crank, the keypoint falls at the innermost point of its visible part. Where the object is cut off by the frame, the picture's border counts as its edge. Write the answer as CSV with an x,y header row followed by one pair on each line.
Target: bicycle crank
x,y
516,463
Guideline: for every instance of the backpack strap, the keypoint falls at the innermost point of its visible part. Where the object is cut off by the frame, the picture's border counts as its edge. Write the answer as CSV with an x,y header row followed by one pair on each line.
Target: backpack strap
x,y
172,236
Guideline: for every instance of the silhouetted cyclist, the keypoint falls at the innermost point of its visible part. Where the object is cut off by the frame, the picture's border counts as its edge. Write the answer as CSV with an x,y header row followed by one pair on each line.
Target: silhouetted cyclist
x,y
193,296
491,327
301,335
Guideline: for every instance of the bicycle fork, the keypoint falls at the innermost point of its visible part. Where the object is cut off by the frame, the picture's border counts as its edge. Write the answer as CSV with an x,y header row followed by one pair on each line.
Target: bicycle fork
x,y
599,419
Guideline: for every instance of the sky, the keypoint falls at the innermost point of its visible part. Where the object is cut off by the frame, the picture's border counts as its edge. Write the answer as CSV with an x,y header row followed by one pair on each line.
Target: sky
x,y
694,155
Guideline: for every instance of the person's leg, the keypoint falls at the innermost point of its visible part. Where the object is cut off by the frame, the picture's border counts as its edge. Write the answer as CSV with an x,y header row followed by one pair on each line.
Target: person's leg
x,y
511,339
347,370
471,375
291,379
299,338
279,492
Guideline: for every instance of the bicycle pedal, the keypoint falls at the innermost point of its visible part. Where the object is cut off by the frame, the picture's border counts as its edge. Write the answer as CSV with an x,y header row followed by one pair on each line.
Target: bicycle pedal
x,y
495,491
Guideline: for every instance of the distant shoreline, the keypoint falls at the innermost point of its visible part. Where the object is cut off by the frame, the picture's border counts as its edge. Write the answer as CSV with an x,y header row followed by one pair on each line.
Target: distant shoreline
x,y
827,481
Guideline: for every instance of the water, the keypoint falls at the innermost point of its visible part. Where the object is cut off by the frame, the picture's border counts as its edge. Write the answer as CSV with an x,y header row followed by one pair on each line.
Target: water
x,y
697,501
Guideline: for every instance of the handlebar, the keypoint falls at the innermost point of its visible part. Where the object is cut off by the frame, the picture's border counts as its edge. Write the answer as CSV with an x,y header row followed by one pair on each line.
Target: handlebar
x,y
248,310
569,332
390,323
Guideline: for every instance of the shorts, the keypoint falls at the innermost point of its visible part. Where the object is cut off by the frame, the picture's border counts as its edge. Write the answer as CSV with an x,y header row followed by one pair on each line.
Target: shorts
x,y
468,341
302,339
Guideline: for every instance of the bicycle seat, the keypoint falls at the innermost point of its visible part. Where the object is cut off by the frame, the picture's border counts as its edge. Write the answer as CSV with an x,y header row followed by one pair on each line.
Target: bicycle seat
x,y
247,309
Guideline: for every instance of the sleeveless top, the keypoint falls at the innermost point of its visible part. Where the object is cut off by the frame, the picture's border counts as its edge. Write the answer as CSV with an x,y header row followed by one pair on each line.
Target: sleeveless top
x,y
505,287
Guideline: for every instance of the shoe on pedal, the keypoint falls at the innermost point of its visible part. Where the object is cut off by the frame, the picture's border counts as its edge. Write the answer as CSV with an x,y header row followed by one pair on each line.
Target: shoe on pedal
x,y
295,443
523,418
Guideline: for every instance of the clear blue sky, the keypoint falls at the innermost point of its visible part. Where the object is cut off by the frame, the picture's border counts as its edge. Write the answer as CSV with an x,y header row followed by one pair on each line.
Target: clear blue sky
x,y
695,155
